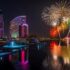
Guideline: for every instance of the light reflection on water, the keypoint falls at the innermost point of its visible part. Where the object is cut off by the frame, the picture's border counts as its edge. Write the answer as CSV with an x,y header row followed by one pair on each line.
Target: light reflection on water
x,y
63,61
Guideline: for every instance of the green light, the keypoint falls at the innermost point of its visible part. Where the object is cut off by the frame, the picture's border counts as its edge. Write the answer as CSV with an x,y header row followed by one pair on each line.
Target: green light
x,y
69,22
15,35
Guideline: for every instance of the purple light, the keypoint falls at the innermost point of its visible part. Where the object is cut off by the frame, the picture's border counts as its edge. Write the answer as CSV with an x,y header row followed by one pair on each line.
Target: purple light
x,y
24,30
25,65
22,56
1,26
10,57
19,27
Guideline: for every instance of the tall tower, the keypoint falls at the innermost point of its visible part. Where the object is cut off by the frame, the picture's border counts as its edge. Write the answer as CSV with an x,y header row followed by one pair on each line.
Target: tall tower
x,y
1,25
24,30
18,27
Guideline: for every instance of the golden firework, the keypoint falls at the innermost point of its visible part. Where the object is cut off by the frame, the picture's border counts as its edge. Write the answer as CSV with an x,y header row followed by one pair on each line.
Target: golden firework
x,y
56,12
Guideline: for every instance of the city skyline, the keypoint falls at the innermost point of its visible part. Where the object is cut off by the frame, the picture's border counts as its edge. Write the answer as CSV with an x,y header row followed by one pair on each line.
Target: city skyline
x,y
32,9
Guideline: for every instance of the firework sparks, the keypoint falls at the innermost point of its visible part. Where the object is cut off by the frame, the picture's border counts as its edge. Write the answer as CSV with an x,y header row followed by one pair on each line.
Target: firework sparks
x,y
56,12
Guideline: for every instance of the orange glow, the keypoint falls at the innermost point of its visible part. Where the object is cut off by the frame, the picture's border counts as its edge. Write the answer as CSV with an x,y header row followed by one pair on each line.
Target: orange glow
x,y
55,48
63,26
59,29
59,50
53,43
53,32
65,39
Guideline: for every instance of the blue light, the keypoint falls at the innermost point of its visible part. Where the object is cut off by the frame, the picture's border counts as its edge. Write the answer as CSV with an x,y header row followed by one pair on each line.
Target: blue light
x,y
41,45
0,58
13,45
15,50
4,53
38,46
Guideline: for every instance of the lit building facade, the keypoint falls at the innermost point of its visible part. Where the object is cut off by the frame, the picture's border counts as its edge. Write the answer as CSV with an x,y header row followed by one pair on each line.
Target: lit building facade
x,y
14,30
19,27
24,30
1,25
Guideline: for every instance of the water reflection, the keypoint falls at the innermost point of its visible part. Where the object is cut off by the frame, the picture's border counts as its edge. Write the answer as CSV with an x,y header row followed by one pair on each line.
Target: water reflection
x,y
51,55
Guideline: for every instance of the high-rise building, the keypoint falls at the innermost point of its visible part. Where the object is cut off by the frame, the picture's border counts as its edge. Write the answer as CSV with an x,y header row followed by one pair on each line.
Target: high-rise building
x,y
15,24
24,30
1,25
19,27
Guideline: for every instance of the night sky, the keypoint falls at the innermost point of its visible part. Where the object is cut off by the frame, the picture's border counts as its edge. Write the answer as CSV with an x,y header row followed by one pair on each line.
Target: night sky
x,y
31,8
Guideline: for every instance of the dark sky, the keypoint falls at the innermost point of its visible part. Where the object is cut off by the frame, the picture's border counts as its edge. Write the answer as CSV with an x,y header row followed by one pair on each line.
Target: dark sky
x,y
31,8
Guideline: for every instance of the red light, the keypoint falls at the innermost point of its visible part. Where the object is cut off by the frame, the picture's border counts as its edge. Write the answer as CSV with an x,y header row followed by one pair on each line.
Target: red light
x,y
10,57
53,32
55,48
53,43
22,56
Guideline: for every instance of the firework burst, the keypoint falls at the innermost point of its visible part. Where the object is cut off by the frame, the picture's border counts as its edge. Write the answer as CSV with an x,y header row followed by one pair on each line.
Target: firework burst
x,y
56,12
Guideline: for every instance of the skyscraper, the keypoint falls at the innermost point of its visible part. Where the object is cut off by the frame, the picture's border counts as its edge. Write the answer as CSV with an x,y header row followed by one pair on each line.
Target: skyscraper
x,y
24,30
18,27
14,26
1,25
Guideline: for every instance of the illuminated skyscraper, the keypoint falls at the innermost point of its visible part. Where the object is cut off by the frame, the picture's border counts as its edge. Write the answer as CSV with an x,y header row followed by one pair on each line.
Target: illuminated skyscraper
x,y
24,30
1,25
18,27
